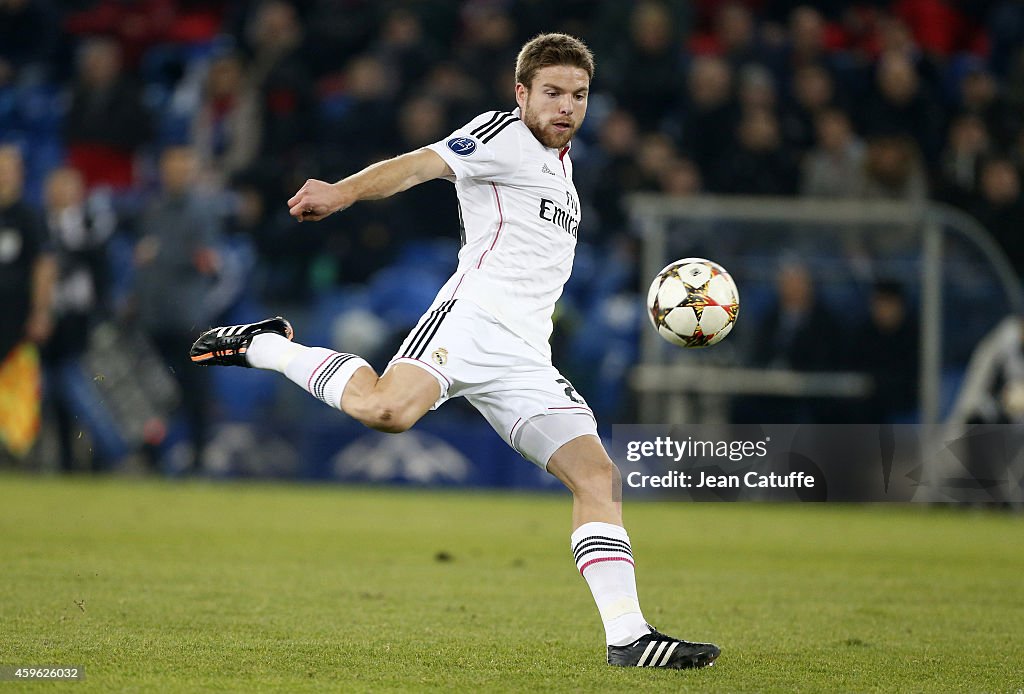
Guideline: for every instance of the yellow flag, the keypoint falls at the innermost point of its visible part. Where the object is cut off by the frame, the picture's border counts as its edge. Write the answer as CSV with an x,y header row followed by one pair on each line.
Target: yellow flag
x,y
20,398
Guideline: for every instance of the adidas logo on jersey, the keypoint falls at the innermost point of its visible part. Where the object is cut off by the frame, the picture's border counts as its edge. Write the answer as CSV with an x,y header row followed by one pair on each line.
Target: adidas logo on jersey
x,y
544,169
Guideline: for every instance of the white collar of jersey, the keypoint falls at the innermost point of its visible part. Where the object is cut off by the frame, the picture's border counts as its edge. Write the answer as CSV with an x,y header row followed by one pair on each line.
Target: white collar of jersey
x,y
517,112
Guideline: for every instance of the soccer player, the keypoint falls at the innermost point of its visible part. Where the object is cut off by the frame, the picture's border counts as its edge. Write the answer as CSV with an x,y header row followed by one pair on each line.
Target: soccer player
x,y
486,335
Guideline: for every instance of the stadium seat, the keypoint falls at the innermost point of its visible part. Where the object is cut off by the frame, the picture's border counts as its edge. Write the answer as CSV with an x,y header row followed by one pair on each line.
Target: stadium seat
x,y
437,255
400,294
244,395
607,341
8,111
42,109
317,328
42,153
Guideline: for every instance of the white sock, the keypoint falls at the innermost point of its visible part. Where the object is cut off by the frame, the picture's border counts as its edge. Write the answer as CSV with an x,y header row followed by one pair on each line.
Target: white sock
x,y
605,559
323,373
272,351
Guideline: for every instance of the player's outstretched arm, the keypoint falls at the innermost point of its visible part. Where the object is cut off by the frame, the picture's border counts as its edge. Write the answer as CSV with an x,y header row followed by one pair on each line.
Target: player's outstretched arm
x,y
318,199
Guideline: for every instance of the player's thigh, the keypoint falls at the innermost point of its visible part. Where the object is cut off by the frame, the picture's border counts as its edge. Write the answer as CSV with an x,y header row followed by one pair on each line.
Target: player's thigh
x,y
409,387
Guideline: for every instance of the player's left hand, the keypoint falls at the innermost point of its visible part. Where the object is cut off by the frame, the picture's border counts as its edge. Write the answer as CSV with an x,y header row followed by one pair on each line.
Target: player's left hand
x,y
314,201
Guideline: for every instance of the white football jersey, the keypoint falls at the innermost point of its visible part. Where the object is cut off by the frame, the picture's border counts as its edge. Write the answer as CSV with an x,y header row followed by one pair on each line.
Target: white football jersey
x,y
520,215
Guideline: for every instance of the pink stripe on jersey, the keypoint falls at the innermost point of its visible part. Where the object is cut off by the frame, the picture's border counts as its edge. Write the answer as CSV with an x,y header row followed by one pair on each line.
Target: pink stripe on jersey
x,y
501,223
455,291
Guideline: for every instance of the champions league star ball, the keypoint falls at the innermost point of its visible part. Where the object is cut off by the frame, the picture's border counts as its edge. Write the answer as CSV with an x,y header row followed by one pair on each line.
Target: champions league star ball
x,y
693,303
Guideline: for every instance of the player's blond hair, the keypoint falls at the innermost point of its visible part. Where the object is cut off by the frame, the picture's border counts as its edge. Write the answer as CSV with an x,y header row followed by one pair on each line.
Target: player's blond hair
x,y
545,50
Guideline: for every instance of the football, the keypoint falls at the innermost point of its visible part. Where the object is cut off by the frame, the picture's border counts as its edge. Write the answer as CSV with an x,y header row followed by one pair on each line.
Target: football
x,y
693,302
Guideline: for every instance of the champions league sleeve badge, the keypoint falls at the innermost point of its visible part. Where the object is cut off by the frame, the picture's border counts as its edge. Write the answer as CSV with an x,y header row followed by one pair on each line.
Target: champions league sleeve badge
x,y
462,146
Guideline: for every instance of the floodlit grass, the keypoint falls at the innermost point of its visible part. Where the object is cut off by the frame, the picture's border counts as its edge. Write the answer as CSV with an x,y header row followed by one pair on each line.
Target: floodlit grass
x,y
163,586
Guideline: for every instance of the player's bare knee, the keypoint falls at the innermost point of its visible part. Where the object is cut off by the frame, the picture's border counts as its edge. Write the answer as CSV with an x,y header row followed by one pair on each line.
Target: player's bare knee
x,y
387,421
594,477
387,416
602,473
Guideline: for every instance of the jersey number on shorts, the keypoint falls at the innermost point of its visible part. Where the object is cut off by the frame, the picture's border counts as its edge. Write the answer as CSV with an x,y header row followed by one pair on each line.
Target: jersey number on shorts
x,y
570,392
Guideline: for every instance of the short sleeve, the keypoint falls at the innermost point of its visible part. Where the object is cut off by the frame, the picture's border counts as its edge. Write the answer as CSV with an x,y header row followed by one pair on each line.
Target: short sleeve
x,y
486,148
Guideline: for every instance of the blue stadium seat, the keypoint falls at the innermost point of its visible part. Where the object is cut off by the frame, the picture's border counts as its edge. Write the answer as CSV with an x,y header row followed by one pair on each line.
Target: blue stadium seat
x,y
120,259
244,395
607,338
43,153
400,294
317,329
584,267
8,111
847,299
957,67
41,108
333,106
438,255
756,298
165,63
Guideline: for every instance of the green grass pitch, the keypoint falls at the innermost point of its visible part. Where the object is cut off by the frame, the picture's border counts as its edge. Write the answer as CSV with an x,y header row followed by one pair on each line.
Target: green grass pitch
x,y
199,586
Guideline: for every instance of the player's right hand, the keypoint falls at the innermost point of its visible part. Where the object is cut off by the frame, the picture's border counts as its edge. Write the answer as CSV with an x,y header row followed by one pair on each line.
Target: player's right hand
x,y
314,201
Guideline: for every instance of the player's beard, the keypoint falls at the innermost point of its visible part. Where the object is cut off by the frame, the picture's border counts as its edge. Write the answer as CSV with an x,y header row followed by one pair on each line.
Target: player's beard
x,y
545,132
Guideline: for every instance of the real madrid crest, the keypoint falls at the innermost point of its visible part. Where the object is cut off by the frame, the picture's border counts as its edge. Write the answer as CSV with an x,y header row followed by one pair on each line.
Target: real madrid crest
x,y
440,356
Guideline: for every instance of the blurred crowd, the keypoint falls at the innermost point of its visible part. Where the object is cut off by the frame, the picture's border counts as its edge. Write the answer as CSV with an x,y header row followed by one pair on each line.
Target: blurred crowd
x,y
147,146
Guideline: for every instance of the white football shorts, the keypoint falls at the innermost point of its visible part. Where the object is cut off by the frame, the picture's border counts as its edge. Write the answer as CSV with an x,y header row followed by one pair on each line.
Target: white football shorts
x,y
516,388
